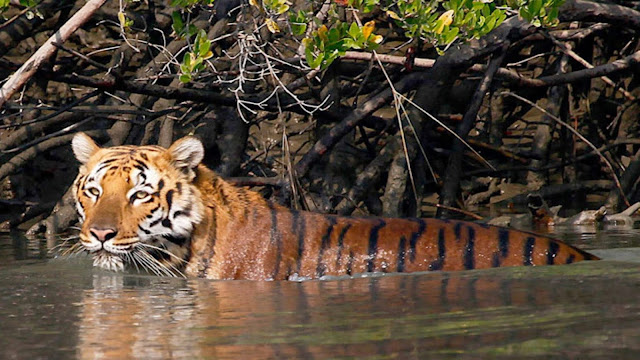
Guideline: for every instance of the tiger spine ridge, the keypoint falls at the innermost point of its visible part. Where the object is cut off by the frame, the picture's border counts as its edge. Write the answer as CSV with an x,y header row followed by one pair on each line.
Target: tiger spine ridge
x,y
162,210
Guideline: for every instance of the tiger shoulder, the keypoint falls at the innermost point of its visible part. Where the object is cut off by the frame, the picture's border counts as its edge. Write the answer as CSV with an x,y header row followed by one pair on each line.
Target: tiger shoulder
x,y
162,210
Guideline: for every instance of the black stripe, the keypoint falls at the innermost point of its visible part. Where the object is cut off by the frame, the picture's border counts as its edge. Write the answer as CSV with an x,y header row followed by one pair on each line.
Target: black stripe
x,y
495,260
275,238
139,164
144,156
184,212
373,245
158,254
469,249
109,161
178,240
321,268
552,252
442,252
570,259
457,230
179,188
503,242
413,241
141,168
101,167
160,184
527,251
155,222
144,230
299,225
169,197
402,244
343,232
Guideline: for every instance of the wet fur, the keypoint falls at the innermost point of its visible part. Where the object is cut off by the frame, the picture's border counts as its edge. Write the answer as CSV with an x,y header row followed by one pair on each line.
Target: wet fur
x,y
196,224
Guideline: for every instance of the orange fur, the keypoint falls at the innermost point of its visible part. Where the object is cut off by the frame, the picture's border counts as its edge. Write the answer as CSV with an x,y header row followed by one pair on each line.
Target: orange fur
x,y
234,233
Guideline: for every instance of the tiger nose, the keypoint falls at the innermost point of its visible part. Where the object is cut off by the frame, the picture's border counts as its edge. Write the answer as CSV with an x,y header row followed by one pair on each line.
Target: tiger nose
x,y
103,234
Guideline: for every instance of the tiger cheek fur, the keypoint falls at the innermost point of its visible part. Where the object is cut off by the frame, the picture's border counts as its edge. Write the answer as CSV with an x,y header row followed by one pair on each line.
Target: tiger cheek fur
x,y
162,210
137,207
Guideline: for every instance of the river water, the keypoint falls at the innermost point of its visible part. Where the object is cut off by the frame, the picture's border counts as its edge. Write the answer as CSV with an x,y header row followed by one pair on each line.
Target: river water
x,y
64,308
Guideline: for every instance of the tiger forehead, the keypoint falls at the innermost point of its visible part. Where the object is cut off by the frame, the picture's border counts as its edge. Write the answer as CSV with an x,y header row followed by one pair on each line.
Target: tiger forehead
x,y
124,157
127,162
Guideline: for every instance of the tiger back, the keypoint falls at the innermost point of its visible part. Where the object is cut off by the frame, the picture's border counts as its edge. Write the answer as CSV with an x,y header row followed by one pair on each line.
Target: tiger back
x,y
159,209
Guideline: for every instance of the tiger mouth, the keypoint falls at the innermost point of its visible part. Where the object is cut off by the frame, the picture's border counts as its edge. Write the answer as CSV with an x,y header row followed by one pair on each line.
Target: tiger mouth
x,y
123,247
136,255
107,260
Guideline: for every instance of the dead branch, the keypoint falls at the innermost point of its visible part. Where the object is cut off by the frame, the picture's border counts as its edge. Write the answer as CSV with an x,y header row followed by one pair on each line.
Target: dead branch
x,y
453,174
367,178
29,68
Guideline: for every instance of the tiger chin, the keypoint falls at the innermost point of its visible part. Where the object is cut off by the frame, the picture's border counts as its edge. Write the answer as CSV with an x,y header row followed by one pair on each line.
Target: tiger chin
x,y
161,210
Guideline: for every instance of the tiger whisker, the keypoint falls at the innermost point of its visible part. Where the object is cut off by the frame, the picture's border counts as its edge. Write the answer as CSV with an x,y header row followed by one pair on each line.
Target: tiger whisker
x,y
172,267
131,259
73,250
158,265
162,250
63,243
145,263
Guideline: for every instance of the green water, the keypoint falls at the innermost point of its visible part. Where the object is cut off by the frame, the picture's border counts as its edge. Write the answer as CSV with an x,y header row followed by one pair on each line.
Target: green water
x,y
64,308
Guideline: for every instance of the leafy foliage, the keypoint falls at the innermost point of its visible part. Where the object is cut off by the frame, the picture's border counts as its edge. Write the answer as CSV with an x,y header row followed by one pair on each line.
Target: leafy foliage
x,y
436,22
193,61
538,12
29,4
325,45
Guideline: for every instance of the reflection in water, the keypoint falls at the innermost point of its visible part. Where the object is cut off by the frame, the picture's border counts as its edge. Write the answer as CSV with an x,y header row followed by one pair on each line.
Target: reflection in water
x,y
67,309
409,316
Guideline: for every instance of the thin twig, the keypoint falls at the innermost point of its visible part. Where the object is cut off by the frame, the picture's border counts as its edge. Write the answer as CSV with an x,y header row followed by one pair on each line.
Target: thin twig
x,y
576,133
29,68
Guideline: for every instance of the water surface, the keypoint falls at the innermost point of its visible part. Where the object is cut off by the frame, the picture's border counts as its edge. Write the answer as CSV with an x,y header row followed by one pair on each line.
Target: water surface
x,y
64,308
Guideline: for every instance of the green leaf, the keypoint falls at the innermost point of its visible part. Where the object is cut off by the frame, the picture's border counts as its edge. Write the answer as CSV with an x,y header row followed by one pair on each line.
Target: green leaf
x,y
197,64
315,62
185,78
491,22
178,24
553,14
204,48
354,30
451,35
186,60
534,7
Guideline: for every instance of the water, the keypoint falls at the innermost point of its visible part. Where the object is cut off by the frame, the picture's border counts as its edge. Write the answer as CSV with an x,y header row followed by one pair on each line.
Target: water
x,y
64,308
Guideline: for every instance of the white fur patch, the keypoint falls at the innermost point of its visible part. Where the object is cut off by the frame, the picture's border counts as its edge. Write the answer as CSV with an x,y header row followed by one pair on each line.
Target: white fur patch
x,y
187,152
83,147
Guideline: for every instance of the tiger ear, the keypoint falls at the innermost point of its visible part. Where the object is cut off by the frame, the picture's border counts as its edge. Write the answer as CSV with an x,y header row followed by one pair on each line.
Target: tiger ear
x,y
187,152
83,147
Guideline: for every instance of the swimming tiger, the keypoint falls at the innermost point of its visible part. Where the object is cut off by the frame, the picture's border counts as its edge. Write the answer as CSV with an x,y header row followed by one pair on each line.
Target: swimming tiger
x,y
162,210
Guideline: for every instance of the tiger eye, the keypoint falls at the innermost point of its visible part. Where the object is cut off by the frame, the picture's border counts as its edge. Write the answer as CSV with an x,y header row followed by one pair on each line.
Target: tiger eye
x,y
140,194
94,191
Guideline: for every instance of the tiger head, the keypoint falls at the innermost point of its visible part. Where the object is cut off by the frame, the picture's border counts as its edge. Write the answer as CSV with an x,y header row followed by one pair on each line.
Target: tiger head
x,y
138,204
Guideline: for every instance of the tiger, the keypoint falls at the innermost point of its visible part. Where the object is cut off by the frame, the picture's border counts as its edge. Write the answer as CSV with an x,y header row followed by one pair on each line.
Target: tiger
x,y
162,211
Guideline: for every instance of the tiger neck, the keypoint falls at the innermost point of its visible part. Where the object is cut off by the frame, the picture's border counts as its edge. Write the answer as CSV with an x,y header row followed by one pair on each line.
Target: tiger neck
x,y
229,202
228,211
